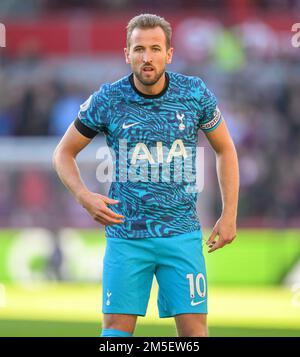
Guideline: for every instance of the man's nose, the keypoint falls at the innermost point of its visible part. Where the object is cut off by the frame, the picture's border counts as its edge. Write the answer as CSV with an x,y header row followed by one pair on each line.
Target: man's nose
x,y
147,57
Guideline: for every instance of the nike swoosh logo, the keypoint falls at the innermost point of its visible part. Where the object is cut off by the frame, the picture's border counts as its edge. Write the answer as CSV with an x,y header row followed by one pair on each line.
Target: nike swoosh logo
x,y
129,125
193,303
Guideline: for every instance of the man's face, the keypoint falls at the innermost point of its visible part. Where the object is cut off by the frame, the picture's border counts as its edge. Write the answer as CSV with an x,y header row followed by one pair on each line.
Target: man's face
x,y
147,54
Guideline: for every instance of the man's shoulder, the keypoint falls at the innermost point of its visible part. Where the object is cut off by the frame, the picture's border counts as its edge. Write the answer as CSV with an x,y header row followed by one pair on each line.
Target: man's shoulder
x,y
193,85
109,90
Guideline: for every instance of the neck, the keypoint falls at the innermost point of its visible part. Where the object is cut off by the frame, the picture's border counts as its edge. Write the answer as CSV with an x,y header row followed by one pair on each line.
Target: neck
x,y
152,89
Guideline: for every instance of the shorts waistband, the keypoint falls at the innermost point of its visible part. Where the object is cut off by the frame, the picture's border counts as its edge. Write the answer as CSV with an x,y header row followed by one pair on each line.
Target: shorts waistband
x,y
193,234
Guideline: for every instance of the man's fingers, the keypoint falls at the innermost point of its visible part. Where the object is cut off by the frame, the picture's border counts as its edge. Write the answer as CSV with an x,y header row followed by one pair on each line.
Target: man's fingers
x,y
111,213
212,237
111,220
100,221
107,220
104,222
110,201
218,244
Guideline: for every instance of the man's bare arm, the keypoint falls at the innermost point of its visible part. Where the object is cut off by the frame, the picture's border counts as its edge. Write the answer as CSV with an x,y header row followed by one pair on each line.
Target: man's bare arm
x,y
64,162
228,176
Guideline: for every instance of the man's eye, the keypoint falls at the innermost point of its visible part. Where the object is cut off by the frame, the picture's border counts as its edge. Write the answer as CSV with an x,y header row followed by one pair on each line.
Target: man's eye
x,y
138,50
156,49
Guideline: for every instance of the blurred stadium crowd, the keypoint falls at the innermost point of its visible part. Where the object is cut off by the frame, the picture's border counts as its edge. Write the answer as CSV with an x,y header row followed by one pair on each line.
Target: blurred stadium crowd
x,y
33,7
251,67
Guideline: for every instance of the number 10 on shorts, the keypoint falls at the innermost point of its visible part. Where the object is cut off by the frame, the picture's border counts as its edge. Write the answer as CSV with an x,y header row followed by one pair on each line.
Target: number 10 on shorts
x,y
196,282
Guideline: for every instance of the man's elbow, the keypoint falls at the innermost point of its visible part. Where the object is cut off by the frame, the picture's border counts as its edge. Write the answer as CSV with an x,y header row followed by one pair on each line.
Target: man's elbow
x,y
61,156
55,158
58,156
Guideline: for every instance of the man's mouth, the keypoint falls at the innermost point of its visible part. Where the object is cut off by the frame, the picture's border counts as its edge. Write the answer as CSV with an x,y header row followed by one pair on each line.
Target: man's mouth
x,y
148,69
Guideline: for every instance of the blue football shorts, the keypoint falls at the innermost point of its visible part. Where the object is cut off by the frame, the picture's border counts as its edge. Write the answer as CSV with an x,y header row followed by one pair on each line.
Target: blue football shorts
x,y
177,262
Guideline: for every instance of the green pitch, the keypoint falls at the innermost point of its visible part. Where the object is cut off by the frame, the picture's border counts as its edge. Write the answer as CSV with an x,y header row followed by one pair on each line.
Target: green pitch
x,y
75,310
245,295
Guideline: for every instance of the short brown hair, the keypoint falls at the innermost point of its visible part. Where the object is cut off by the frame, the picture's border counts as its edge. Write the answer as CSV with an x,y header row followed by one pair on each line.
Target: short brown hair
x,y
146,21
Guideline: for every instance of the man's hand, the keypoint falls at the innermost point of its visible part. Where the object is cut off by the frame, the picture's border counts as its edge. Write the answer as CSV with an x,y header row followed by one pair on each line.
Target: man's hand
x,y
96,205
226,230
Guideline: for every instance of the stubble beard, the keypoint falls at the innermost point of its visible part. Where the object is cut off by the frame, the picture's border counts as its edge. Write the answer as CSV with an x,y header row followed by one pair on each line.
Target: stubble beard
x,y
149,82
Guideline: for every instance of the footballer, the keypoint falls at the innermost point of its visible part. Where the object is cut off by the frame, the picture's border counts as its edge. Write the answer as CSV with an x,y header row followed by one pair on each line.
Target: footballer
x,y
151,119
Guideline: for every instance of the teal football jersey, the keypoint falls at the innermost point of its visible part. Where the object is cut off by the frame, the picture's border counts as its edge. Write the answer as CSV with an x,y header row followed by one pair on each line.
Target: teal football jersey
x,y
153,141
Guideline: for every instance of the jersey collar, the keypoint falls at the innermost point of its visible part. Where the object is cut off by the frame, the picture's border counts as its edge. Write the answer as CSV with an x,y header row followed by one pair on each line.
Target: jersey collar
x,y
150,96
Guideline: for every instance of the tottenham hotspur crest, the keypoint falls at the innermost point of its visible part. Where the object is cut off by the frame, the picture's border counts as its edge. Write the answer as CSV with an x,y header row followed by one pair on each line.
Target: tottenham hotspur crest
x,y
180,117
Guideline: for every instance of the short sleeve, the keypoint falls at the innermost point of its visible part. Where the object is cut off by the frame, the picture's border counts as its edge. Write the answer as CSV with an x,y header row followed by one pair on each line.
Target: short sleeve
x,y
92,116
210,116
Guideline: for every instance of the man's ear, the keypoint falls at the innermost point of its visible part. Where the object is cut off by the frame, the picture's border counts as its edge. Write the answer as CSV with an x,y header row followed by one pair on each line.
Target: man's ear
x,y
126,53
170,55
